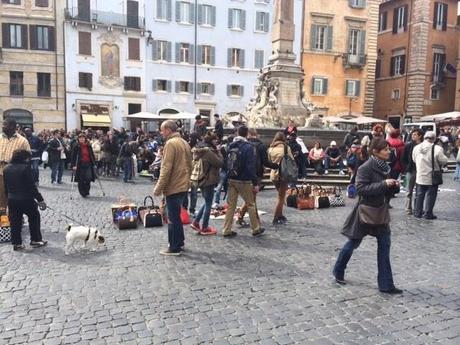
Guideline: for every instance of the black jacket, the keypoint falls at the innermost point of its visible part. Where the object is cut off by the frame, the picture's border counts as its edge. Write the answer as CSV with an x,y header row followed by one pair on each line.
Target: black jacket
x,y
76,161
261,157
19,182
407,160
219,129
53,152
373,191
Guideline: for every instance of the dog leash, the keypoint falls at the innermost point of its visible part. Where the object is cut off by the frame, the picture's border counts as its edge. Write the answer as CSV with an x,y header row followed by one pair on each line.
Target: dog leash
x,y
63,215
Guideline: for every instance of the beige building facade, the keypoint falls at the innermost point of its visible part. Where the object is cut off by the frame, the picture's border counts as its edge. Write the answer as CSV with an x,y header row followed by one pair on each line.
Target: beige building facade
x,y
32,63
339,55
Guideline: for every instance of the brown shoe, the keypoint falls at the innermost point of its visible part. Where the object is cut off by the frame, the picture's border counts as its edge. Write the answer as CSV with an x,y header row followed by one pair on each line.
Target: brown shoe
x,y
230,234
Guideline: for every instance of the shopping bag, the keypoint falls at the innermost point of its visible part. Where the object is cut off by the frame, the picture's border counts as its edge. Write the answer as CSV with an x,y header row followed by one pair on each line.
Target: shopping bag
x,y
184,216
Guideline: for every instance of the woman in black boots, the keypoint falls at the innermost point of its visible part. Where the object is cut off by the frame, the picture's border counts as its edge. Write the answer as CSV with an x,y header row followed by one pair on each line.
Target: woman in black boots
x,y
83,163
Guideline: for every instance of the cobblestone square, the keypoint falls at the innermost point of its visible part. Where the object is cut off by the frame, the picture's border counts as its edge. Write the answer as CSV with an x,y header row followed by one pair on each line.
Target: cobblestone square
x,y
274,289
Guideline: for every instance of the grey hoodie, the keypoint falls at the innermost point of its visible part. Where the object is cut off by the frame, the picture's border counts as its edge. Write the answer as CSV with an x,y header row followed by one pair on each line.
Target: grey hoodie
x,y
421,155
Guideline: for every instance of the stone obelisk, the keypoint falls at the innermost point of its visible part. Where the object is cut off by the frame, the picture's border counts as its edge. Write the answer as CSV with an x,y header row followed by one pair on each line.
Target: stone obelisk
x,y
279,93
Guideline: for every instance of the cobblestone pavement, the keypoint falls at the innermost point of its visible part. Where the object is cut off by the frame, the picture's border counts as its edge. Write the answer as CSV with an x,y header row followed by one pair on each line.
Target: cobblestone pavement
x,y
275,289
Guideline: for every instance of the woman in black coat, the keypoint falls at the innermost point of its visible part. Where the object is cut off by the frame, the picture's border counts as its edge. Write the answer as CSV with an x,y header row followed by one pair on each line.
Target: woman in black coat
x,y
83,163
374,189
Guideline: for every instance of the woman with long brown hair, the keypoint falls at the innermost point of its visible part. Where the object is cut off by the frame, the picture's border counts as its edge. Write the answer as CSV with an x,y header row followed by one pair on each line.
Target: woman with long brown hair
x,y
275,154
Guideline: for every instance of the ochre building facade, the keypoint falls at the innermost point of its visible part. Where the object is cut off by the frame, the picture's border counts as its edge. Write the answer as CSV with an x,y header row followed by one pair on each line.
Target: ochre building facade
x,y
32,63
417,59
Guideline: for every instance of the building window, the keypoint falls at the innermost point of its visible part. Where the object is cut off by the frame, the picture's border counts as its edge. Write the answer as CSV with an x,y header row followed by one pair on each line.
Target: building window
x,y
16,84
383,21
235,57
161,50
259,59
235,90
398,65
43,84
440,16
439,62
184,87
184,12
207,15
378,68
357,3
205,88
435,93
11,2
163,10
206,55
395,94
84,43
41,37
133,45
132,84
161,85
184,53
14,36
262,21
400,19
319,86
41,3
352,88
85,80
321,37
236,19
357,47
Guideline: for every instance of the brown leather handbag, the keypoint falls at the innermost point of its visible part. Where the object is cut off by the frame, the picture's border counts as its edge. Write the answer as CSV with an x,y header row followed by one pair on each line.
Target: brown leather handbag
x,y
307,203
374,216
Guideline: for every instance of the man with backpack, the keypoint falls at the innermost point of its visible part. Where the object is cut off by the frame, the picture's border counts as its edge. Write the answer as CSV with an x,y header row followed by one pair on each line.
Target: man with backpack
x,y
262,161
241,164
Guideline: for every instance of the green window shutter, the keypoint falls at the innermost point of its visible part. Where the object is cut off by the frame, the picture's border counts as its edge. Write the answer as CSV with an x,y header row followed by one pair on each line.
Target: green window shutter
x,y
198,88
346,87
313,86
200,14
357,88
177,52
154,85
243,19
159,8
177,11
229,57
362,43
199,54
191,55
154,50
211,89
230,18
168,86
169,10
313,33
241,90
169,52
213,16
177,86
241,59
229,90
329,38
191,14
325,82
266,22
213,56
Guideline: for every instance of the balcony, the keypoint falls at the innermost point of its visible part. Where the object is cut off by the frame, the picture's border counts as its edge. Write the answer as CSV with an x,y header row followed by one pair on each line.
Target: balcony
x,y
105,18
354,61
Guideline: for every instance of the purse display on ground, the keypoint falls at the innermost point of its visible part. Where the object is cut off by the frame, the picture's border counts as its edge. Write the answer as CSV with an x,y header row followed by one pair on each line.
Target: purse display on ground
x,y
291,197
321,197
122,205
305,201
127,220
337,199
150,215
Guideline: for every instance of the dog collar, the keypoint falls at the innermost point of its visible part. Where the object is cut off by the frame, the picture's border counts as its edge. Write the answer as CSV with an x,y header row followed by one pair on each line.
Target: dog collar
x,y
87,236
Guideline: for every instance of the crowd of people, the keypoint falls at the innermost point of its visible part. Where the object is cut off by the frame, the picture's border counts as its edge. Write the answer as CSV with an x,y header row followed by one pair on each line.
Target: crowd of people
x,y
225,168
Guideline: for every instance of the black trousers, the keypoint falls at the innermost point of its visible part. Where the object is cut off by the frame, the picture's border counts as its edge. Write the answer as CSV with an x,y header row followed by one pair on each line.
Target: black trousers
x,y
84,181
16,210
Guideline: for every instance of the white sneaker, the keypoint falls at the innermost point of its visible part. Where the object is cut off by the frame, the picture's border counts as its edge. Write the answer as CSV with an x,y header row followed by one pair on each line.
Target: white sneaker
x,y
326,172
341,173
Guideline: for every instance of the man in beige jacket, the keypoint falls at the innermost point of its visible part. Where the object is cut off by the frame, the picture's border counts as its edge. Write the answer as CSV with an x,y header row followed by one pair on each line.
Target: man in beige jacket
x,y
174,183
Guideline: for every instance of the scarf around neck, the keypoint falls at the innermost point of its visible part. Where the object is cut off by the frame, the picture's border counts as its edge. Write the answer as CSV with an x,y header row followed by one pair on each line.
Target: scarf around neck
x,y
383,165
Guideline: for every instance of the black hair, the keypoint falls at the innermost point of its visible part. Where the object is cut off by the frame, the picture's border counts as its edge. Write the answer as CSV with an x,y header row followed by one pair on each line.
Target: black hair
x,y
243,131
20,156
377,144
418,131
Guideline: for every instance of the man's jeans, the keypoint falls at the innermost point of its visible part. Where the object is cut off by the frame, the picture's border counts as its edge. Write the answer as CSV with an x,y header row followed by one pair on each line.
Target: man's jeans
x,y
127,169
34,163
327,163
193,199
431,193
57,169
220,186
205,209
410,177
385,276
175,229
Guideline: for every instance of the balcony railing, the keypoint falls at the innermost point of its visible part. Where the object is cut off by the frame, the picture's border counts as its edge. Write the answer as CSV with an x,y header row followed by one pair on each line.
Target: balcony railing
x,y
354,60
105,18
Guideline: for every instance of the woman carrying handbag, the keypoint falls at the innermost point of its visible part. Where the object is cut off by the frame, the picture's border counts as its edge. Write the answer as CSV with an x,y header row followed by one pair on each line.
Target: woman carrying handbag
x,y
371,216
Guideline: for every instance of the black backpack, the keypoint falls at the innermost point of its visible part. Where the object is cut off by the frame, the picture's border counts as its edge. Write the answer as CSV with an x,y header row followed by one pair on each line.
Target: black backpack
x,y
288,168
234,160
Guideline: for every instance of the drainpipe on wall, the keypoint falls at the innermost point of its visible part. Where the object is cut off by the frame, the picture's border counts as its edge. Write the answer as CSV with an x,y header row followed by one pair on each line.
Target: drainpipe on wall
x,y
56,55
64,62
195,50
302,34
408,62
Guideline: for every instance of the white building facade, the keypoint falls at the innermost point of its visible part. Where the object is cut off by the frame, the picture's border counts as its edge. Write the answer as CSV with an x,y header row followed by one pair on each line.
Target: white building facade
x,y
204,55
105,44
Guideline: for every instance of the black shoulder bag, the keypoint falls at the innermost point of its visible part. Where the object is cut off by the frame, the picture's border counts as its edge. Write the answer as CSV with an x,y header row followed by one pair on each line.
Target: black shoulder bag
x,y
436,175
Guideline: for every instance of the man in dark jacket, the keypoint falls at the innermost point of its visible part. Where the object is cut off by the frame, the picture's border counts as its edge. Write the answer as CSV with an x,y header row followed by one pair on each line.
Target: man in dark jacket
x,y
83,163
218,127
411,169
262,161
350,138
56,156
36,147
200,126
300,158
22,193
242,181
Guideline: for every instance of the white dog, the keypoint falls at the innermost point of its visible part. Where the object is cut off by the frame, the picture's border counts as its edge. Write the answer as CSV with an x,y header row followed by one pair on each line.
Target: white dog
x,y
90,237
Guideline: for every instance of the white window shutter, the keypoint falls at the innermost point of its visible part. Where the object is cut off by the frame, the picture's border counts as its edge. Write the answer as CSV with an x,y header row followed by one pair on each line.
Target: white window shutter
x,y
243,19
213,16
154,85
177,52
168,85
213,56
177,11
230,18
266,22
200,14
229,57
198,88
169,10
211,89
168,51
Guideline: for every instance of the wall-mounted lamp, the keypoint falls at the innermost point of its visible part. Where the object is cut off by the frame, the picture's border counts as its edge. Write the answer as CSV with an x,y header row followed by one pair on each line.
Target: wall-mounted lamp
x,y
149,38
73,106
115,107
